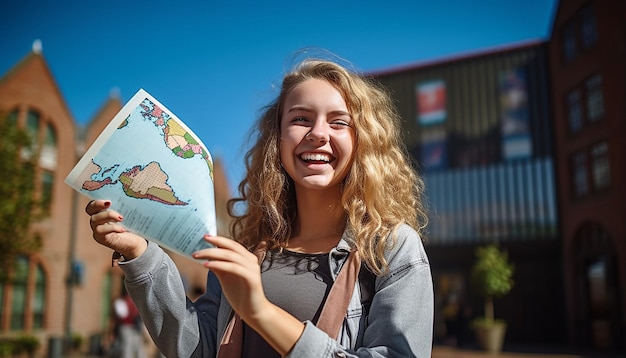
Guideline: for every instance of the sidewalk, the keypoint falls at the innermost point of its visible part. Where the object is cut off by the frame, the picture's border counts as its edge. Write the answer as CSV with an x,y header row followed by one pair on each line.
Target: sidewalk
x,y
451,352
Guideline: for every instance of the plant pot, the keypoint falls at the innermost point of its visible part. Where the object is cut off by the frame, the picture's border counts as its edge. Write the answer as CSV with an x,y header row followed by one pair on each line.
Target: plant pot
x,y
491,337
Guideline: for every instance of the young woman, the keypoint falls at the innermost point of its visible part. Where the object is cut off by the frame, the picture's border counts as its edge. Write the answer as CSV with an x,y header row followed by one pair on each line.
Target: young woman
x,y
328,182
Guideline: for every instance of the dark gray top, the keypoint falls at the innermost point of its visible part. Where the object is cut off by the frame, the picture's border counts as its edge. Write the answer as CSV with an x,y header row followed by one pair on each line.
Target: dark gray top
x,y
296,282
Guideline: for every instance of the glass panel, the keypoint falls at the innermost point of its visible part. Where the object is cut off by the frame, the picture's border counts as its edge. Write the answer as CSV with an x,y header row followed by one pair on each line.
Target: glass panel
x,y
18,307
579,173
595,98
549,182
50,137
574,111
32,125
600,166
569,42
39,299
48,156
589,33
47,184
596,276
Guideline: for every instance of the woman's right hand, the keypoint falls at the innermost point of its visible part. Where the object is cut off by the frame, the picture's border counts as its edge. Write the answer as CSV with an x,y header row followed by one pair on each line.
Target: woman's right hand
x,y
107,231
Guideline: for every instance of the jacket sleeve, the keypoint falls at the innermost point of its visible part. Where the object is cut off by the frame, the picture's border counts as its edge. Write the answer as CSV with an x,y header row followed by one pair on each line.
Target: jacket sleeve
x,y
173,321
400,322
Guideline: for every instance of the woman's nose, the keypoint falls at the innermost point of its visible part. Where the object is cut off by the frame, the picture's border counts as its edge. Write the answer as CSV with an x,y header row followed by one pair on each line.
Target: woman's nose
x,y
319,132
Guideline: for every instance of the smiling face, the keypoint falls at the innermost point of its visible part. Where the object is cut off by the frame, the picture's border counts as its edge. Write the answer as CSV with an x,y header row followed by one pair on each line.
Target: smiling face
x,y
317,140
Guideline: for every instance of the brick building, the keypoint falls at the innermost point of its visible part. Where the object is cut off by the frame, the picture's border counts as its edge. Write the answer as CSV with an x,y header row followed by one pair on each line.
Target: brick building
x,y
588,73
39,301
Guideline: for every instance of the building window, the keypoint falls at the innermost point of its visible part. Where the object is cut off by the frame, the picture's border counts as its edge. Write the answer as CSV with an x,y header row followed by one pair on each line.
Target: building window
x,y
579,33
50,137
39,298
579,173
32,126
574,111
43,137
585,103
600,166
595,98
591,169
48,155
26,293
570,48
588,31
47,184
19,297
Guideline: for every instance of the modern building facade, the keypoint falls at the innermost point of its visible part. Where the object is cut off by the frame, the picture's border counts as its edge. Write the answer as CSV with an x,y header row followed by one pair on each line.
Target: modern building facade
x,y
480,129
66,289
588,72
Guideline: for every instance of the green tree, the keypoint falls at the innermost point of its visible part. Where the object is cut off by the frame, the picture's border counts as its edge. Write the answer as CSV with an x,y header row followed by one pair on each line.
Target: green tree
x,y
18,163
492,276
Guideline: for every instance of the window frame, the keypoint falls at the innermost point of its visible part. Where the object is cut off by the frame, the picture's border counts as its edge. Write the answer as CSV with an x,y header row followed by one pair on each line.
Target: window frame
x,y
589,106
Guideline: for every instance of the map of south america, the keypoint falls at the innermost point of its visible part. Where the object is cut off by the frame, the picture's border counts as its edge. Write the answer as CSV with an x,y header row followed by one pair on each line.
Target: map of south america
x,y
148,182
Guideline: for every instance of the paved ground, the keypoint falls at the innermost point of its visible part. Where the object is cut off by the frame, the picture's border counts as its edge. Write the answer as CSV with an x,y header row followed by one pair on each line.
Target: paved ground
x,y
450,352
441,351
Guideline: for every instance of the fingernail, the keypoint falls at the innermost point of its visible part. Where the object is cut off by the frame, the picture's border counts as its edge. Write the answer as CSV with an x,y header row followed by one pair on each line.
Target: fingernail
x,y
107,203
120,218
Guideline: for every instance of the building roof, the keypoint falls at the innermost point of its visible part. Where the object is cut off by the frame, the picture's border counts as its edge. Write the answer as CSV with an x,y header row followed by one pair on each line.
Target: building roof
x,y
459,57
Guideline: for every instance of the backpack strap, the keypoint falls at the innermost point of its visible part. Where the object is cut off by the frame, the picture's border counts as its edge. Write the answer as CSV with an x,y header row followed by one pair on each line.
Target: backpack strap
x,y
330,320
336,305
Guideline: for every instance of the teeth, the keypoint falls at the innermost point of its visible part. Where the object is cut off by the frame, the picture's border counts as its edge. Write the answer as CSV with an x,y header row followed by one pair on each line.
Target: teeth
x,y
318,157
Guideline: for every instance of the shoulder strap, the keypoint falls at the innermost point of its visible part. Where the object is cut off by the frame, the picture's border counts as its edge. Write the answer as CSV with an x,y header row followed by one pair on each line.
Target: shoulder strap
x,y
336,305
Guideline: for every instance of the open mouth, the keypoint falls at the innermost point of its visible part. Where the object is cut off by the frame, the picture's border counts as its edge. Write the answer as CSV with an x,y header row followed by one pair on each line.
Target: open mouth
x,y
316,157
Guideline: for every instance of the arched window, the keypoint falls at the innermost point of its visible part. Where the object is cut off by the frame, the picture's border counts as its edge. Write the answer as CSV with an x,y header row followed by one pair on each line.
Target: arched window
x,y
597,286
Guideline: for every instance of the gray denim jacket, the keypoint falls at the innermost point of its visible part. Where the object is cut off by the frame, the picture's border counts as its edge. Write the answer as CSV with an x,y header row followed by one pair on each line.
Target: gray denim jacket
x,y
399,323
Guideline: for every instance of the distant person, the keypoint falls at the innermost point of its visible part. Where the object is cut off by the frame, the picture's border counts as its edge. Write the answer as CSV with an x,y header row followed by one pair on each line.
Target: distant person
x,y
129,328
329,185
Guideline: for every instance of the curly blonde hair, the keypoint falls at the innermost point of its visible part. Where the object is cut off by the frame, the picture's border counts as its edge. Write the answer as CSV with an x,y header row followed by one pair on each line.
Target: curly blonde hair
x,y
381,191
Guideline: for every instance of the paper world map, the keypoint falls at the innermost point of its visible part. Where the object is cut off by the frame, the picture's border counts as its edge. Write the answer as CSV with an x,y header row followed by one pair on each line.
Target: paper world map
x,y
156,172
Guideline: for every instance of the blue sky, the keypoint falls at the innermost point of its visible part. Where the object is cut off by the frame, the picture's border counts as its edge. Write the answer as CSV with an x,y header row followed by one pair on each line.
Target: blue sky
x,y
215,63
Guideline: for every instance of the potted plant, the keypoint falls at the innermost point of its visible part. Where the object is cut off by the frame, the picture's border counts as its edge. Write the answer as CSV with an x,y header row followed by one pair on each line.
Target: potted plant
x,y
491,276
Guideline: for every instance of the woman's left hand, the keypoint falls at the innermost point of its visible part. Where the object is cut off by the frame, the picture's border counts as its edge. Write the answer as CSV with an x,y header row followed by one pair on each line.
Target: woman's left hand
x,y
239,274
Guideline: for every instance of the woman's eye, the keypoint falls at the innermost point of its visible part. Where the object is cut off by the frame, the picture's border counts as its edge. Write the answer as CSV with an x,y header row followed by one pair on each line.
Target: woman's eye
x,y
341,123
299,119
